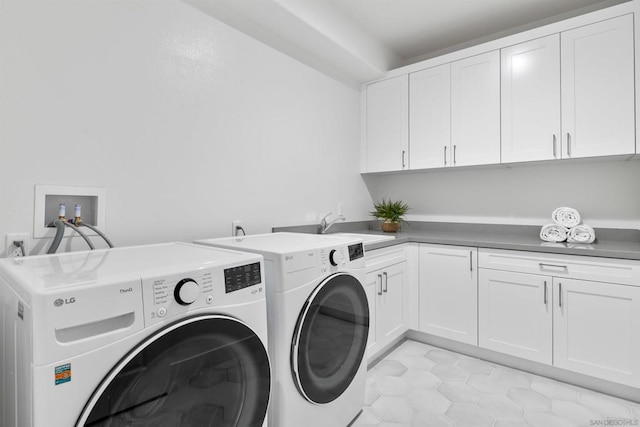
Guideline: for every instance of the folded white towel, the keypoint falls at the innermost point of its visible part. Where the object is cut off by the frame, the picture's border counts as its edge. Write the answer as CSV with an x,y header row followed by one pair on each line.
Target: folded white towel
x,y
581,234
553,233
566,217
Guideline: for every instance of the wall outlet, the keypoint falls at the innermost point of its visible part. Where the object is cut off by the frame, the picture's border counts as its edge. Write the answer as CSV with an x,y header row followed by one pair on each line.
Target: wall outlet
x,y
234,228
13,251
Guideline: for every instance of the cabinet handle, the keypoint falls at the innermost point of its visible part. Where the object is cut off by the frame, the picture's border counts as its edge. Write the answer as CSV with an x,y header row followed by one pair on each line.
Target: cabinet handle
x,y
454,155
386,282
445,155
545,292
470,260
403,165
380,279
555,143
560,295
568,144
544,265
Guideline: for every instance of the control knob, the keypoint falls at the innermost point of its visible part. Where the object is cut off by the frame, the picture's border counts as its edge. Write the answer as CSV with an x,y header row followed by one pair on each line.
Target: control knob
x,y
335,257
186,291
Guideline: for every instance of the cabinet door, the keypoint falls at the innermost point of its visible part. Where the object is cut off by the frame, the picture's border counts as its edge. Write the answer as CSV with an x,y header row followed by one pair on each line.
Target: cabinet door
x,y
515,314
430,117
449,292
475,110
598,116
392,319
597,329
373,288
387,125
531,100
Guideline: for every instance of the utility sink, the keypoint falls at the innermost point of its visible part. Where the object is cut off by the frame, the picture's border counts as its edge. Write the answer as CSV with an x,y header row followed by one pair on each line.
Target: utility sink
x,y
368,238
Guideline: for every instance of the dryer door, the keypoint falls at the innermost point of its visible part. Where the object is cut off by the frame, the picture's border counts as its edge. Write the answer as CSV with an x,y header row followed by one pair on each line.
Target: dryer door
x,y
330,338
202,371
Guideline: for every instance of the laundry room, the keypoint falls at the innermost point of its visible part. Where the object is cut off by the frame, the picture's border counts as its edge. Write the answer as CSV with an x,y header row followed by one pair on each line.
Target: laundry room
x,y
189,124
183,120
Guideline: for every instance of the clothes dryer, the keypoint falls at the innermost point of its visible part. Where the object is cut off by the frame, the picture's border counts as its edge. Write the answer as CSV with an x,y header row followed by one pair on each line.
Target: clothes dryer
x,y
160,335
318,322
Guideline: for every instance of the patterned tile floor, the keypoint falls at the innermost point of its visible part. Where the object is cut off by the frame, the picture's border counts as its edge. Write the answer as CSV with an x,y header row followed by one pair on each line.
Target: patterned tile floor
x,y
418,385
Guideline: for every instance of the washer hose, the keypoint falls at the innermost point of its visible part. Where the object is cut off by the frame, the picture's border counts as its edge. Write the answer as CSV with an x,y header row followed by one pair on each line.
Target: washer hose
x,y
58,237
81,233
98,232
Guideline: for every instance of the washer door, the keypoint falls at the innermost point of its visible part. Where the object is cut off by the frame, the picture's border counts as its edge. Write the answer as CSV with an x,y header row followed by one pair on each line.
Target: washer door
x,y
202,371
330,338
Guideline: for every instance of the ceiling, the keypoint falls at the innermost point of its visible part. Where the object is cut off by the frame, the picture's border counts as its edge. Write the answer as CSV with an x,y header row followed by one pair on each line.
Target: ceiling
x,y
360,40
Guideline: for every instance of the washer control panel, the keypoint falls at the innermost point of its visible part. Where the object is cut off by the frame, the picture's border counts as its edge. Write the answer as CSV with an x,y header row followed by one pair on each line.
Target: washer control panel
x,y
186,291
172,295
240,277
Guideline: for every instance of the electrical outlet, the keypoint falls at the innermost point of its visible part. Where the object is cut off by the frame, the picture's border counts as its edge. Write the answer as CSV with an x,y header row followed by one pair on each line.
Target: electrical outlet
x,y
234,225
13,251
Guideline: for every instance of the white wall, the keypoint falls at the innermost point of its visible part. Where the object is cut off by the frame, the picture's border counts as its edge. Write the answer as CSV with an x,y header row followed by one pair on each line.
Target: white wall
x,y
605,192
187,123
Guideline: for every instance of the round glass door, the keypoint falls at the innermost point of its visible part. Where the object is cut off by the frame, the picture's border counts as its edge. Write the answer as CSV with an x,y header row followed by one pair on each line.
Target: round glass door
x,y
330,338
202,371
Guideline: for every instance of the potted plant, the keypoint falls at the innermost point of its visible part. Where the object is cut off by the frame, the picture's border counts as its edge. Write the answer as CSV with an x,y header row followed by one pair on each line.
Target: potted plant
x,y
391,213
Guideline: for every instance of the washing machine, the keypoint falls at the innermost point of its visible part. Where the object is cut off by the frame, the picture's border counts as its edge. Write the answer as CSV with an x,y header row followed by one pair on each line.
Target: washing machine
x,y
318,323
160,335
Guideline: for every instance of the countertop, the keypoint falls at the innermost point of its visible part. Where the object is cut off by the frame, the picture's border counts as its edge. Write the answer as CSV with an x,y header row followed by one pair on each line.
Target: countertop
x,y
610,243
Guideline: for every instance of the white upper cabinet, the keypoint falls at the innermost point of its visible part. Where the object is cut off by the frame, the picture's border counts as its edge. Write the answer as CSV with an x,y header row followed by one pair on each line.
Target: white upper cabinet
x,y
475,110
387,125
531,100
598,96
566,90
430,117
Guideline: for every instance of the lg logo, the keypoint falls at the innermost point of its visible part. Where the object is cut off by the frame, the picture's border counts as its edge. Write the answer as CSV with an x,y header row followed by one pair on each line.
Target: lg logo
x,y
60,302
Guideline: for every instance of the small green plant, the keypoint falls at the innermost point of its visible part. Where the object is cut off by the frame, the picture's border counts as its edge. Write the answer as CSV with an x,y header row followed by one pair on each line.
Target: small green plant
x,y
389,210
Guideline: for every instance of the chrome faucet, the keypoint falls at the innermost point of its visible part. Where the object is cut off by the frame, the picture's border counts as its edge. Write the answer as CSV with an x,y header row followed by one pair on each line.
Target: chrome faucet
x,y
324,225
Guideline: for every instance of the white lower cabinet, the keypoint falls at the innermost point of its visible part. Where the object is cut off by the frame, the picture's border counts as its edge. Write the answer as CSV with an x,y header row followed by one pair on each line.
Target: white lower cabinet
x,y
585,326
515,314
448,292
597,329
386,288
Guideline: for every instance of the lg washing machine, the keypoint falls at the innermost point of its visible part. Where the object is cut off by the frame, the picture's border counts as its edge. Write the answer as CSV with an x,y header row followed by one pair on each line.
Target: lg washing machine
x,y
160,335
318,322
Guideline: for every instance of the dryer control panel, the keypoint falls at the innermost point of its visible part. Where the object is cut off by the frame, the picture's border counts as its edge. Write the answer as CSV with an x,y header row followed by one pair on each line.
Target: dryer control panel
x,y
171,295
343,256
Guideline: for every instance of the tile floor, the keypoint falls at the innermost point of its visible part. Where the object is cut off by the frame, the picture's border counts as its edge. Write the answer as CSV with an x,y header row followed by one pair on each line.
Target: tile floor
x,y
419,385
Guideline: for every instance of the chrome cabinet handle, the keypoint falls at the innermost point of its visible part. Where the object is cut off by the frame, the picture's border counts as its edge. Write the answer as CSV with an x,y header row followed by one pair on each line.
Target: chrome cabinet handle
x,y
454,155
560,295
470,260
545,265
380,279
386,282
545,292
568,144
555,142
403,164
445,155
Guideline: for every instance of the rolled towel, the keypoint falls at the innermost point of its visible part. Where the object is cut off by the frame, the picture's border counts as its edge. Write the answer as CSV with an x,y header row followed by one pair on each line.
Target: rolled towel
x,y
581,234
553,233
566,217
